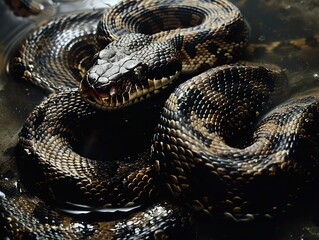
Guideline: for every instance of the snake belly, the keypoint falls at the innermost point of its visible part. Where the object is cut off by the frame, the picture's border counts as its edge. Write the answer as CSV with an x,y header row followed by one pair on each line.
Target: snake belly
x,y
218,180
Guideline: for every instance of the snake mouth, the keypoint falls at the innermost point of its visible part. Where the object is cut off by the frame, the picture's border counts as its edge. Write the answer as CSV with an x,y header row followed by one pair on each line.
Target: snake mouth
x,y
116,95
106,99
112,95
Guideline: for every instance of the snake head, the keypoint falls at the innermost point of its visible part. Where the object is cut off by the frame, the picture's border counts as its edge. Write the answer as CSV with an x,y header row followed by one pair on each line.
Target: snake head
x,y
130,69
108,83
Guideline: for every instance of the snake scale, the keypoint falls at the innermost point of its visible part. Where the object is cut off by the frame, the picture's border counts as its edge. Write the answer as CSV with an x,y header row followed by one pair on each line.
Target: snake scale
x,y
221,147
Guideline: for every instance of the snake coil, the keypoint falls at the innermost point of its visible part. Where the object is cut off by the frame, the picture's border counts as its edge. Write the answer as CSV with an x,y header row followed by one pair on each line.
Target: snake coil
x,y
215,149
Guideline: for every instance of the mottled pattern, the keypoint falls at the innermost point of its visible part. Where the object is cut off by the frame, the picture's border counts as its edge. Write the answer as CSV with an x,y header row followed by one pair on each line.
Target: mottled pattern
x,y
212,31
93,189
154,41
201,152
218,157
58,53
51,148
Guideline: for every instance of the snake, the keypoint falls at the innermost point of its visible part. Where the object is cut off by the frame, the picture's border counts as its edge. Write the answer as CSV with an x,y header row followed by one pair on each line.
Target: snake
x,y
225,140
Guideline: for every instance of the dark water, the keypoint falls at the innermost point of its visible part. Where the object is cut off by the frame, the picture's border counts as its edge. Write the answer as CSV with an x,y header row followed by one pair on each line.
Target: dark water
x,y
270,20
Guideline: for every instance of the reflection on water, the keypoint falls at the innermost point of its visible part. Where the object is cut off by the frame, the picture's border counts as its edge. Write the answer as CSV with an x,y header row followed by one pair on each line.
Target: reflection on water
x,y
270,20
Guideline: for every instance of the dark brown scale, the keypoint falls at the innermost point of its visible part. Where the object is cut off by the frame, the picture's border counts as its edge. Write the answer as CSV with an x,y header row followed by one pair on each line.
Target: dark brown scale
x,y
207,24
61,167
205,116
60,173
71,39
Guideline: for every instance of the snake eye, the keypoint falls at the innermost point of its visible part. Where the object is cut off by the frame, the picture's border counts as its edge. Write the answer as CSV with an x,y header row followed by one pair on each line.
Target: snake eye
x,y
139,73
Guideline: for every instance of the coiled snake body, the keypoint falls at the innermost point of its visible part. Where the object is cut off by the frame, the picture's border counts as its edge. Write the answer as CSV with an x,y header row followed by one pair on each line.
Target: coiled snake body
x,y
198,150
